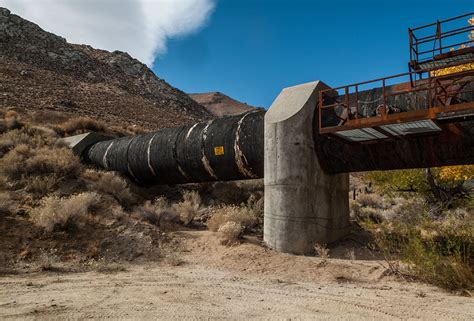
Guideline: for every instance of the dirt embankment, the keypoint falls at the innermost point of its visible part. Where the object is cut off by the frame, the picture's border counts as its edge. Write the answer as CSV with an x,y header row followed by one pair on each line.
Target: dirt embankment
x,y
213,281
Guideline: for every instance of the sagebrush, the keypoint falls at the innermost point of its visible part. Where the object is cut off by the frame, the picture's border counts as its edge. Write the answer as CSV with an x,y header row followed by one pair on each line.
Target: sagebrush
x,y
230,232
189,207
64,212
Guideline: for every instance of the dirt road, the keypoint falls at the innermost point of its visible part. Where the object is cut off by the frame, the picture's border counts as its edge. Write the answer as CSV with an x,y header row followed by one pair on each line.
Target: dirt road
x,y
206,290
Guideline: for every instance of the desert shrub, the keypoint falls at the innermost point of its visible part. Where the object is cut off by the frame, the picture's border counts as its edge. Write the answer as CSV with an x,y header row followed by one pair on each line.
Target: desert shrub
x,y
112,184
64,211
354,208
118,213
47,260
255,204
370,200
369,214
11,139
80,125
350,254
13,120
437,252
103,266
234,192
157,212
3,126
230,232
245,215
410,211
321,250
6,203
24,160
189,207
43,131
41,185
149,213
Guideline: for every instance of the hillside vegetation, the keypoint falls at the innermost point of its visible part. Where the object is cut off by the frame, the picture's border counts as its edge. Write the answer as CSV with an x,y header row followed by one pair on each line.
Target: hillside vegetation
x,y
54,209
52,80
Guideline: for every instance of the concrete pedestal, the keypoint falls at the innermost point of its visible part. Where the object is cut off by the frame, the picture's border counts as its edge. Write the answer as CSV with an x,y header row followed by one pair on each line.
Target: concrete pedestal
x,y
303,204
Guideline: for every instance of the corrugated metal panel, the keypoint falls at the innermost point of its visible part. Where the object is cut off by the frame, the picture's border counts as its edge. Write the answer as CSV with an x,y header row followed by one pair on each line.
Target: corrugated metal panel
x,y
360,135
415,127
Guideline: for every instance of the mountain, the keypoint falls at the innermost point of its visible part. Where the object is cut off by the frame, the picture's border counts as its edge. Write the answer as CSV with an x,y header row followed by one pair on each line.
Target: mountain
x,y
43,73
220,105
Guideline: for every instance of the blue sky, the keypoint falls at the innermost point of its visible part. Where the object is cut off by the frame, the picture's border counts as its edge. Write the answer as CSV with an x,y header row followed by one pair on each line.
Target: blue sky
x,y
251,49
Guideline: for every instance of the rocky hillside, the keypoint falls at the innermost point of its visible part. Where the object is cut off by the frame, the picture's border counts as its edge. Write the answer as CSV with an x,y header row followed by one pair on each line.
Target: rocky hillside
x,y
44,75
220,105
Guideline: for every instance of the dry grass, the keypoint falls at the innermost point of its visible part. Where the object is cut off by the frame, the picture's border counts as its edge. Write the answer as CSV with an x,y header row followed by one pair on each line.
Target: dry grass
x,y
12,120
437,253
350,254
416,245
159,212
242,215
35,161
47,260
321,250
189,207
6,203
369,214
111,184
247,215
64,211
80,125
405,210
370,200
11,139
41,185
234,192
374,208
149,213
103,266
230,232
24,160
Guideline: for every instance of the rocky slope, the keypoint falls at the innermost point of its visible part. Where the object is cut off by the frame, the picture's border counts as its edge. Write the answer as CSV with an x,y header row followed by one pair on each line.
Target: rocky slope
x,y
221,105
41,72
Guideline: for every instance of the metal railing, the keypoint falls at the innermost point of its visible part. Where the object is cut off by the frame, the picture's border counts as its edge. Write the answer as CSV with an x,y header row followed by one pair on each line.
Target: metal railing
x,y
443,36
340,111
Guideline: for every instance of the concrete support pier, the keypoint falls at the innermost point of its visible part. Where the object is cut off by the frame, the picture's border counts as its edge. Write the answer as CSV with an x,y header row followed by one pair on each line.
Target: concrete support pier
x,y
303,204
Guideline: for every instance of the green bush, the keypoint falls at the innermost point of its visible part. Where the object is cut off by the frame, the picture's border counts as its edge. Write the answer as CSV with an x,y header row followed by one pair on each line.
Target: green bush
x,y
437,252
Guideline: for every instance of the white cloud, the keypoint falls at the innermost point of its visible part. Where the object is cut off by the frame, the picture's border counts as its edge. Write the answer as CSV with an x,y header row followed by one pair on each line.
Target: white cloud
x,y
139,27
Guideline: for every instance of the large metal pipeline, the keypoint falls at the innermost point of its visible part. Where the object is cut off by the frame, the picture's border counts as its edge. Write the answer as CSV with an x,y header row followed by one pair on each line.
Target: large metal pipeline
x,y
232,148
229,148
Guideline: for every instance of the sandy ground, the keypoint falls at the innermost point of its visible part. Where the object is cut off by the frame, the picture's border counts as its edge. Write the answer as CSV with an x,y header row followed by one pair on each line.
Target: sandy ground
x,y
240,282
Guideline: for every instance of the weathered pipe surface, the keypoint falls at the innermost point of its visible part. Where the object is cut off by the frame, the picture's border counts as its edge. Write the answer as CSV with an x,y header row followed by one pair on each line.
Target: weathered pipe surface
x,y
224,149
454,145
443,149
232,148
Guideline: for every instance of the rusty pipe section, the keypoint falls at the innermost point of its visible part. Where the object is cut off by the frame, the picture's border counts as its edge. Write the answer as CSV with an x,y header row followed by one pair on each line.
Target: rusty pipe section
x,y
224,149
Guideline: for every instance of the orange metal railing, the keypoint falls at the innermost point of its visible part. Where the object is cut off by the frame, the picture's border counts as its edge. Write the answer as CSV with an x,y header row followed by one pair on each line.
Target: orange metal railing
x,y
429,41
348,110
